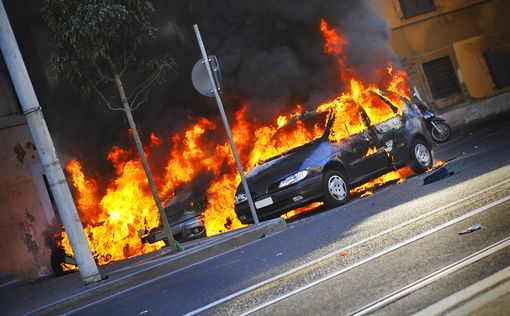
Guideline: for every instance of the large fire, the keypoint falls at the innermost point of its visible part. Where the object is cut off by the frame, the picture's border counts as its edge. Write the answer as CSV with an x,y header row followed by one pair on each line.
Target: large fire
x,y
115,217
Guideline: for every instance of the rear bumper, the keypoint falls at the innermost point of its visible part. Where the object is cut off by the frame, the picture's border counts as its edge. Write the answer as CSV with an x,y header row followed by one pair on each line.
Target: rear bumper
x,y
298,195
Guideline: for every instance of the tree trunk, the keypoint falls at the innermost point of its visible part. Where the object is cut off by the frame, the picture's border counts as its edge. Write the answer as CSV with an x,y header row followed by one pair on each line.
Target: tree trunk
x,y
166,226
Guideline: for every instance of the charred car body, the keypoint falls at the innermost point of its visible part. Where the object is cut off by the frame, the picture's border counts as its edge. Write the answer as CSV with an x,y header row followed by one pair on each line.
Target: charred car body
x,y
183,213
325,168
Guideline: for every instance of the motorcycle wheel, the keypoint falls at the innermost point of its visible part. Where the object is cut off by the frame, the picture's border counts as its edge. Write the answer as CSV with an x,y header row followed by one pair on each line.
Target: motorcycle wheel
x,y
441,132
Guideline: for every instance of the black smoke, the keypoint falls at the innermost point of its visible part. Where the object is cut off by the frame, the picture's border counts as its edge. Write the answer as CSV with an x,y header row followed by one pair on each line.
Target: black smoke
x,y
271,56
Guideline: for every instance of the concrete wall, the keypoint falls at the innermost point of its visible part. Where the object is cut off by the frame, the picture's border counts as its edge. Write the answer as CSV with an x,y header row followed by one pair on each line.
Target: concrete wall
x,y
461,29
26,213
478,110
25,208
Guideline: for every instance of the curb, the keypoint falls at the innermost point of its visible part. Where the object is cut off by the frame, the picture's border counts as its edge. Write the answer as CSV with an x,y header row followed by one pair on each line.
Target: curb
x,y
173,263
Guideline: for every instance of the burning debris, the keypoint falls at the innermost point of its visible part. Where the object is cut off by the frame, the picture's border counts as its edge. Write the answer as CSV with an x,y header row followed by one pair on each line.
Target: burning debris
x,y
294,213
115,213
439,174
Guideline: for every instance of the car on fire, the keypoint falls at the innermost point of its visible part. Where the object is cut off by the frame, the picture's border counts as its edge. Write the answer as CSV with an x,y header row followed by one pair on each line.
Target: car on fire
x,y
357,144
183,213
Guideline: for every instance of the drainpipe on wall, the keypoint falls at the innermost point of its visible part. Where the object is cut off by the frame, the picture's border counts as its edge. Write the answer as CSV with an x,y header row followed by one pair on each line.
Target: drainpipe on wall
x,y
46,150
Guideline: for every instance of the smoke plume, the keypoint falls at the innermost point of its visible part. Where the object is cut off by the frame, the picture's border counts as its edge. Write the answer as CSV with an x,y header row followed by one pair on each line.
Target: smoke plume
x,y
271,56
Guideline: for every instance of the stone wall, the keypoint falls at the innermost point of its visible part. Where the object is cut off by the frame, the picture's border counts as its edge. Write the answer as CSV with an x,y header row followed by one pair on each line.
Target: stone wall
x,y
27,218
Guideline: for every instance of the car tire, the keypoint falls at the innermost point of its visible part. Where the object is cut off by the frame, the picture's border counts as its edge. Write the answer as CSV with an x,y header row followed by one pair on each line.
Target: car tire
x,y
336,188
421,157
442,133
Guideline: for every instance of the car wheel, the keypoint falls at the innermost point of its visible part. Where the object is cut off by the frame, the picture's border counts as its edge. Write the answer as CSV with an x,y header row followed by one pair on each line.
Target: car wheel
x,y
421,157
336,188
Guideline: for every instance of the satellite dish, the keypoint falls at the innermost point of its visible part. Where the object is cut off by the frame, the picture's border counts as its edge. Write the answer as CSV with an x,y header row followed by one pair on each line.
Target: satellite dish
x,y
200,78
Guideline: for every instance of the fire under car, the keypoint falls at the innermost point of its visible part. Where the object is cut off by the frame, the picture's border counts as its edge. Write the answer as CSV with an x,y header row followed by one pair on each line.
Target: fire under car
x,y
355,147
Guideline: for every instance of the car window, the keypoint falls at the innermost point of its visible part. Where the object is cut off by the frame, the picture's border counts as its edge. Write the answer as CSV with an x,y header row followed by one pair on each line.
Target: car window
x,y
347,121
379,110
301,129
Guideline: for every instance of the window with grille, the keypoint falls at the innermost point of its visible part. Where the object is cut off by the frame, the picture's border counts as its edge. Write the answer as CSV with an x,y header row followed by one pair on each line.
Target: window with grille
x,y
412,8
499,67
441,77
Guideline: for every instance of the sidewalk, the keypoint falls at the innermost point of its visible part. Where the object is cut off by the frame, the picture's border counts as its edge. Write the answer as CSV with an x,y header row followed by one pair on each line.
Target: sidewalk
x,y
57,295
477,111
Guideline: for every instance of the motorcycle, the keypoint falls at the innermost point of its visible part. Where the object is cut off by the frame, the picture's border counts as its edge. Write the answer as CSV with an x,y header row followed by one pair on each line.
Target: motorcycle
x,y
437,126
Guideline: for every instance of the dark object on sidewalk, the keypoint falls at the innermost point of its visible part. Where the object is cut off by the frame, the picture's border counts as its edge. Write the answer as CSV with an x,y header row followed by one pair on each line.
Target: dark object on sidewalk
x,y
470,229
58,257
439,174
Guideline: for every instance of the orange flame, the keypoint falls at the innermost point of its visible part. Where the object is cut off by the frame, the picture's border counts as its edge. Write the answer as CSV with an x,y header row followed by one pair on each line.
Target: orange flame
x,y
301,210
112,226
116,216
397,176
372,150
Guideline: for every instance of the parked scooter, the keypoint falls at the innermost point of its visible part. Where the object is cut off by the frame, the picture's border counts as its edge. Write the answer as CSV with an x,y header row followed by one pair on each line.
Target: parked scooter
x,y
437,126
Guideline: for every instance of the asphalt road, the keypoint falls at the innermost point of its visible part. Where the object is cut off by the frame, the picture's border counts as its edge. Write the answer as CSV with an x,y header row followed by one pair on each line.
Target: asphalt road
x,y
347,259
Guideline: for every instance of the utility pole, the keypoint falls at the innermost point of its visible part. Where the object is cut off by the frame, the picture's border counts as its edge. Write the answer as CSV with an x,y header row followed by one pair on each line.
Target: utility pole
x,y
46,151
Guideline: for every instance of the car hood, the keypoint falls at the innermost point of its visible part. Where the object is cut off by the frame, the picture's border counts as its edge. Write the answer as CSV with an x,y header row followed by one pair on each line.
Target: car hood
x,y
276,169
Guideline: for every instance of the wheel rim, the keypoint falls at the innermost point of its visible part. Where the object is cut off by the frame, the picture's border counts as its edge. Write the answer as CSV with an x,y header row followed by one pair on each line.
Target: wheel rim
x,y
422,155
337,188
440,132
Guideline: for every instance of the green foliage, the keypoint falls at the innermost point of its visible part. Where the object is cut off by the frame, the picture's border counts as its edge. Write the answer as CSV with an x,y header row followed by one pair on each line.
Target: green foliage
x,y
95,40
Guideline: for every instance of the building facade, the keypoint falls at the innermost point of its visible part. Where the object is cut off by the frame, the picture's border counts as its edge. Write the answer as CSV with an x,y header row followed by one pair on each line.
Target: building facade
x,y
27,216
455,51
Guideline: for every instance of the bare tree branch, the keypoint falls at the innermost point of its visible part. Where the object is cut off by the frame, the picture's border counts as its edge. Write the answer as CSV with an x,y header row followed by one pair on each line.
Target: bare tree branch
x,y
125,65
145,99
101,95
146,84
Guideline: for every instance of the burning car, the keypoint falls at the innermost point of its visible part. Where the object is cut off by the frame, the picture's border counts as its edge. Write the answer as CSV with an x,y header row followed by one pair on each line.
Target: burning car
x,y
183,213
354,143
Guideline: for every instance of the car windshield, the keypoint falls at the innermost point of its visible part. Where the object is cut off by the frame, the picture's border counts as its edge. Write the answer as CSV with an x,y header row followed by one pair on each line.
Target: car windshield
x,y
301,129
298,131
354,116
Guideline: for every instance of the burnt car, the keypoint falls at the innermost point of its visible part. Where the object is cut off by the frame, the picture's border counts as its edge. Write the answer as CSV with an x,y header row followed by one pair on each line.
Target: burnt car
x,y
183,213
357,144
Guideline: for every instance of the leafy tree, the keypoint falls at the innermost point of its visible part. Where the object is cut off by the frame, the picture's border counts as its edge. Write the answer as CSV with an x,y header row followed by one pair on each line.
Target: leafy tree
x,y
95,48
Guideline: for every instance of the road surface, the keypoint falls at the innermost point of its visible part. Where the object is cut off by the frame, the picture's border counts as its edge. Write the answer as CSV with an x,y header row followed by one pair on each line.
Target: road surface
x,y
398,251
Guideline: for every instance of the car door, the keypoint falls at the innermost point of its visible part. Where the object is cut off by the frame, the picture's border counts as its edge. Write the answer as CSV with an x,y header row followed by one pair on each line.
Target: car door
x,y
390,133
361,151
368,156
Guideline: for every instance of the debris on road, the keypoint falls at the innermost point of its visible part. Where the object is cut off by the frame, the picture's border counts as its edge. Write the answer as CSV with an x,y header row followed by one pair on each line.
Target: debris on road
x,y
439,174
470,229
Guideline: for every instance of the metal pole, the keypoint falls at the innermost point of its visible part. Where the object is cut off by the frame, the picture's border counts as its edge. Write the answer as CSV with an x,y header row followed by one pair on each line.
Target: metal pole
x,y
46,150
225,123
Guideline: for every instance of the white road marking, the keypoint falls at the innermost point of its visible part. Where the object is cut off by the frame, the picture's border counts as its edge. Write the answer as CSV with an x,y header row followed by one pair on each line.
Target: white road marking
x,y
418,284
336,253
380,254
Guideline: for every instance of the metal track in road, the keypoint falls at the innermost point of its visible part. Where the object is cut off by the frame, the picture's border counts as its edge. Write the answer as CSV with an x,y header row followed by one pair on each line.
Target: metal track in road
x,y
377,255
336,253
396,295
